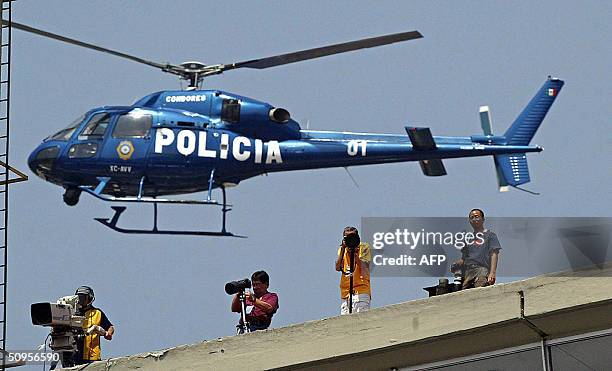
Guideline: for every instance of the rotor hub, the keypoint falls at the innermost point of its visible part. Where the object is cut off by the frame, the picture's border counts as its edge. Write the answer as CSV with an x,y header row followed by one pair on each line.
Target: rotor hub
x,y
193,66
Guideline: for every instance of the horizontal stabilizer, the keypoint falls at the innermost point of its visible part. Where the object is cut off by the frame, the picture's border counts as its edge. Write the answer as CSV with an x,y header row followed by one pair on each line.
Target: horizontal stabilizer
x,y
513,168
421,139
433,167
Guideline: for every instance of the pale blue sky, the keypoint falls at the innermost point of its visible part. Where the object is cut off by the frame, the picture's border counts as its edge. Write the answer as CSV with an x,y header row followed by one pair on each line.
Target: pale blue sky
x,y
165,291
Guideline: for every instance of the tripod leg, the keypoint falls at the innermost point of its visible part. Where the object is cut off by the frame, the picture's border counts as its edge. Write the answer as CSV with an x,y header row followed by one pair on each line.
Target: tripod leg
x,y
245,324
352,270
350,300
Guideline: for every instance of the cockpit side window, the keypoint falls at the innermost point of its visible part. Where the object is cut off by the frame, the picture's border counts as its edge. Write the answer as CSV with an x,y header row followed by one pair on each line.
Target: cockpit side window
x,y
66,133
132,126
230,110
96,127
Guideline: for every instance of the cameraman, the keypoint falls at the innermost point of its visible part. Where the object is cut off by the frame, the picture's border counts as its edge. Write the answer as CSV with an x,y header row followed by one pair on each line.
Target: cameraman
x,y
96,324
362,256
261,304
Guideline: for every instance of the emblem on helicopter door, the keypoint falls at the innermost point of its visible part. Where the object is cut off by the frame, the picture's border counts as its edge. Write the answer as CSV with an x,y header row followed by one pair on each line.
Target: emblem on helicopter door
x,y
125,149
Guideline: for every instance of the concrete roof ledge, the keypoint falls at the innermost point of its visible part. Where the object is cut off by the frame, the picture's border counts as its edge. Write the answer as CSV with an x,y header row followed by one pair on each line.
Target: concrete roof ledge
x,y
409,333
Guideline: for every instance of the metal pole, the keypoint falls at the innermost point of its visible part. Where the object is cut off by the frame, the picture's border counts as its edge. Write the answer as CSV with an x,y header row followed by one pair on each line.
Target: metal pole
x,y
223,210
155,216
6,6
546,356
210,185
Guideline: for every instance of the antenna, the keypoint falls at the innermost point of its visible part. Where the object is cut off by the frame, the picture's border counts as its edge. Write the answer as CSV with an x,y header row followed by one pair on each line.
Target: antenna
x,y
351,176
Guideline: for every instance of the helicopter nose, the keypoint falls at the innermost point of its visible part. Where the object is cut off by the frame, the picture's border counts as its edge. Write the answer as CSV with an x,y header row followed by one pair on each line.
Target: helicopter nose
x,y
42,159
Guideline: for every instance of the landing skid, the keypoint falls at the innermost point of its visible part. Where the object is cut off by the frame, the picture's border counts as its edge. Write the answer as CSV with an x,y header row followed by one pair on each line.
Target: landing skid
x,y
112,222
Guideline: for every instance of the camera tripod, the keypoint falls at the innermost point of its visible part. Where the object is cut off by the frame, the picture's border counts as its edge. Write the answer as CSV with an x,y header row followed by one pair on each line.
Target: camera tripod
x,y
68,342
350,274
243,327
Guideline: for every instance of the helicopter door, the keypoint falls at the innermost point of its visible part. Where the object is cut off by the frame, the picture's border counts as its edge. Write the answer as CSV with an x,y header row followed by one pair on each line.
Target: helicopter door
x,y
184,161
208,156
125,152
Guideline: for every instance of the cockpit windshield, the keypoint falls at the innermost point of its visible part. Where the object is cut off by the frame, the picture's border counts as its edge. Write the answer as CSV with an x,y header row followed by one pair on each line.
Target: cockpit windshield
x,y
66,133
96,127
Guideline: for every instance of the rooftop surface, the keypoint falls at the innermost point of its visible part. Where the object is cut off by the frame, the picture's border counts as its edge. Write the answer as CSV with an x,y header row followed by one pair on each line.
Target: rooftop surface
x,y
410,333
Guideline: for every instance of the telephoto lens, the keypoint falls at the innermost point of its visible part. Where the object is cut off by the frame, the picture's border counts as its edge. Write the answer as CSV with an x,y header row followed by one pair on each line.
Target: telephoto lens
x,y
235,287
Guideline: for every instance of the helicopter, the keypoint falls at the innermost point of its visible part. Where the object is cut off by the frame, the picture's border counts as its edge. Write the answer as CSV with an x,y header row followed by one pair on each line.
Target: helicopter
x,y
176,142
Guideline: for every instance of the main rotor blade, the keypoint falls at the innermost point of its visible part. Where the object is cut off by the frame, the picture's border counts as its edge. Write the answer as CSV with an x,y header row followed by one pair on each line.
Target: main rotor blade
x,y
303,55
68,40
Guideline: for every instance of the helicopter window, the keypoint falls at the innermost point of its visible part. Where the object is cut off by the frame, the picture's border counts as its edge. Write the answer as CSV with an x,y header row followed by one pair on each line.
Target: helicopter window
x,y
46,157
96,127
49,153
132,126
230,110
66,133
83,150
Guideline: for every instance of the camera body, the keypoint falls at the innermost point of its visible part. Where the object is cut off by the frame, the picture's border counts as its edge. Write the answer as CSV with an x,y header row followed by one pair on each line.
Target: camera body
x,y
235,287
66,326
352,240
457,270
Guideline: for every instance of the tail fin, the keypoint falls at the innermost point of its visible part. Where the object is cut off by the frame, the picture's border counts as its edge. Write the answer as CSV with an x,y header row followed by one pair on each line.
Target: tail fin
x,y
524,127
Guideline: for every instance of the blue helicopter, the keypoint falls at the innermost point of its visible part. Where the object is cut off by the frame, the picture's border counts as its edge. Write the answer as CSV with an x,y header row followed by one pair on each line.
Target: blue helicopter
x,y
176,142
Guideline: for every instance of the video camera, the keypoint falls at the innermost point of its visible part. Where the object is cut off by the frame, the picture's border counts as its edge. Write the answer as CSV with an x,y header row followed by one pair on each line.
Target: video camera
x,y
62,313
235,287
444,286
66,326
